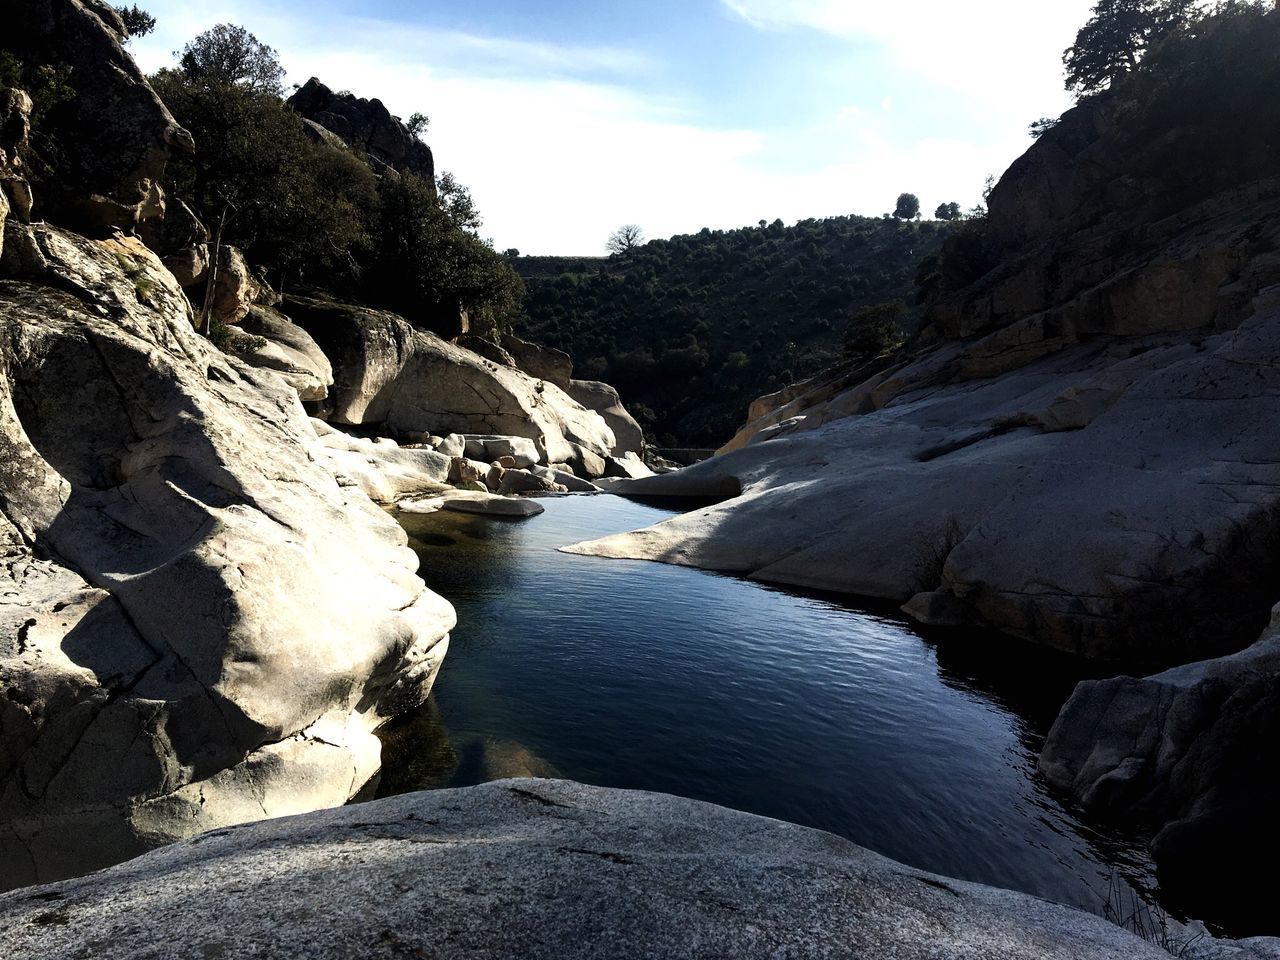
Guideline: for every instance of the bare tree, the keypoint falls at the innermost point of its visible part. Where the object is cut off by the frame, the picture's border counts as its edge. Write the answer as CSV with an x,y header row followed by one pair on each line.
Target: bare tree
x,y
625,239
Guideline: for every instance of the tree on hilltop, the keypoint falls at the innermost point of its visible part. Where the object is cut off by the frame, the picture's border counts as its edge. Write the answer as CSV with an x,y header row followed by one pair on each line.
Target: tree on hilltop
x,y
137,22
908,207
948,211
625,239
1116,36
229,55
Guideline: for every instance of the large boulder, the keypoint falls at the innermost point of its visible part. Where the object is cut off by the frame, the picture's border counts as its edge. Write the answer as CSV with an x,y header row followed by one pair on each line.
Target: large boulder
x,y
272,342
540,869
183,650
367,126
604,400
1191,749
15,128
545,363
99,154
387,372
383,470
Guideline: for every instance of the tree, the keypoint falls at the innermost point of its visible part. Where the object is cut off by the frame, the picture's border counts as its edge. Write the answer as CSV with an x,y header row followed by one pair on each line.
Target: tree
x,y
137,22
948,211
908,207
1038,128
228,55
874,330
625,239
455,200
417,125
1114,39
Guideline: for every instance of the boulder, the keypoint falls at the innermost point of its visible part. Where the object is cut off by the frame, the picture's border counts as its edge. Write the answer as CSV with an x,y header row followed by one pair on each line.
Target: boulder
x,y
182,649
521,451
492,505
102,152
366,126
493,479
384,472
1188,749
604,400
288,350
454,445
629,467
235,289
387,372
463,470
541,869
545,363
522,481
564,479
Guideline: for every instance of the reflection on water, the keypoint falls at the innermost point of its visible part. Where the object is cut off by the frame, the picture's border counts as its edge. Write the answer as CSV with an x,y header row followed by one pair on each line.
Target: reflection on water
x,y
633,674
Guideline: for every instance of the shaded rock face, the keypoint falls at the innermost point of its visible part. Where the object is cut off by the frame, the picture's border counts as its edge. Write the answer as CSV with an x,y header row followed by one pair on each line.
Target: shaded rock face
x,y
367,126
543,869
181,649
545,363
288,350
604,400
1192,749
15,128
99,155
387,372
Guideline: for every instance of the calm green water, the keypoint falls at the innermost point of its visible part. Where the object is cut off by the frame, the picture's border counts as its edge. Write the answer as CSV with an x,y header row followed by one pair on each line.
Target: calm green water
x,y
632,674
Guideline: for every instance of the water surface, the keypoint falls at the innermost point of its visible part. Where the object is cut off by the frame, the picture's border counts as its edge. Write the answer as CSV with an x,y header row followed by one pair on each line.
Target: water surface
x,y
642,675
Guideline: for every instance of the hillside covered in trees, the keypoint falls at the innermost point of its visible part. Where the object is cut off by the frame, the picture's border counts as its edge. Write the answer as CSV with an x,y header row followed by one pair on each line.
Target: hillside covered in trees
x,y
691,329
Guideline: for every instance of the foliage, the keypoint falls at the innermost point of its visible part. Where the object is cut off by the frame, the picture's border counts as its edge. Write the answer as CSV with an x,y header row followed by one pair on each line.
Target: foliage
x,y
429,264
229,55
1038,128
319,218
10,70
692,329
875,330
948,211
234,341
137,22
1114,39
418,123
625,239
297,208
908,206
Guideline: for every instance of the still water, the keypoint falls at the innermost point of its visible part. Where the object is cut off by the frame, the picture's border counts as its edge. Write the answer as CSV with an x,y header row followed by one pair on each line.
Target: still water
x,y
633,674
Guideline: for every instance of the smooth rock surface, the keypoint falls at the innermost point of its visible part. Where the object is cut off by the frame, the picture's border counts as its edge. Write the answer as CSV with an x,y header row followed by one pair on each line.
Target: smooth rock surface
x,y
604,400
387,372
289,351
182,651
539,869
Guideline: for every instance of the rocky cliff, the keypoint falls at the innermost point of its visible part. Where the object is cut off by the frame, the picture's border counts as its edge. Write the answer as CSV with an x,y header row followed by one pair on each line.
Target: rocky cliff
x,y
181,649
1080,448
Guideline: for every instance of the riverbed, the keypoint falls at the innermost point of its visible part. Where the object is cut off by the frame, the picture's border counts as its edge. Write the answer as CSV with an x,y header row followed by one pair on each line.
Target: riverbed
x,y
790,705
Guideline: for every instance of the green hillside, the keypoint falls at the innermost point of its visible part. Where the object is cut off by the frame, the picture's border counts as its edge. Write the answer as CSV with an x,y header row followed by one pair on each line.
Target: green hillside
x,y
691,329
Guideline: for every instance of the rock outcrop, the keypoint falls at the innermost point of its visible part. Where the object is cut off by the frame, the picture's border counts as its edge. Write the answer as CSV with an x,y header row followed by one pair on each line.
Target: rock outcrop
x,y
272,342
182,650
411,381
99,152
545,363
604,400
366,126
540,869
1190,748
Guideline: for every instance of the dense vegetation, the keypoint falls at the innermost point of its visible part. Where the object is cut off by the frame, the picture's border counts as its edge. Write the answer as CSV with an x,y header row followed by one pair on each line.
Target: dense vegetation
x,y
691,329
319,218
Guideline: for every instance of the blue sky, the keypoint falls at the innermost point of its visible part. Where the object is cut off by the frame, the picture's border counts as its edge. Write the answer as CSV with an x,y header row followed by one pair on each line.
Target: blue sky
x,y
567,118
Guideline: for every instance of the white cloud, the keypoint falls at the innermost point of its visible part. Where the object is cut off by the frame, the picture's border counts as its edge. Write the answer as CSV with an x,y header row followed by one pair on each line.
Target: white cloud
x,y
559,146
1002,54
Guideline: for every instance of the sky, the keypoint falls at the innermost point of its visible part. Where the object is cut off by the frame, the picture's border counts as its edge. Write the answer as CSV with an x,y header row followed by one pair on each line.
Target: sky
x,y
568,118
